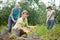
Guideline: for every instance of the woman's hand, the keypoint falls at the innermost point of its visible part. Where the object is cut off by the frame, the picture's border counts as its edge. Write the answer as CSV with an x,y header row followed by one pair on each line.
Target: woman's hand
x,y
20,28
28,27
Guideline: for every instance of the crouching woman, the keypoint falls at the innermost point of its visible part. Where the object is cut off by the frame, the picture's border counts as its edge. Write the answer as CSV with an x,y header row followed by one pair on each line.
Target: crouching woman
x,y
22,24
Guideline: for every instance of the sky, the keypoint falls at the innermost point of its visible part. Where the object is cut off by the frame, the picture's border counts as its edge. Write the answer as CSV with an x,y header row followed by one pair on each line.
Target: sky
x,y
46,2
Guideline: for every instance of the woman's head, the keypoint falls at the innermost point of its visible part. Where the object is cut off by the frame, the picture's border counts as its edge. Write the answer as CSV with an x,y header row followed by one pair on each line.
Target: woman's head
x,y
24,13
49,8
17,6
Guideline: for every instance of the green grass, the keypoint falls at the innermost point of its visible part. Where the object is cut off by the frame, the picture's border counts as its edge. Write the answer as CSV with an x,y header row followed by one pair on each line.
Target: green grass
x,y
3,27
48,34
44,33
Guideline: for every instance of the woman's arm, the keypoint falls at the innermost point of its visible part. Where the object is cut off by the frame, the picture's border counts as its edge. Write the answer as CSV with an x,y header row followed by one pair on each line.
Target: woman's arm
x,y
27,25
54,14
19,12
20,27
18,15
12,16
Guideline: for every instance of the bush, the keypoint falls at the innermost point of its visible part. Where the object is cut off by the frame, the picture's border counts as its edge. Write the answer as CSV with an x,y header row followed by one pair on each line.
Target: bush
x,y
46,34
36,16
57,19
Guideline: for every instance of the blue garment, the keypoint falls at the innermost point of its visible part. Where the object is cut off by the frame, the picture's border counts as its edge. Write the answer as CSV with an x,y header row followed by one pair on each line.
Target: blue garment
x,y
15,13
50,24
15,16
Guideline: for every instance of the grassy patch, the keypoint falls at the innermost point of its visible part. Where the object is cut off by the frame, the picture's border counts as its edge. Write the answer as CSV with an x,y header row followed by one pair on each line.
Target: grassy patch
x,y
46,34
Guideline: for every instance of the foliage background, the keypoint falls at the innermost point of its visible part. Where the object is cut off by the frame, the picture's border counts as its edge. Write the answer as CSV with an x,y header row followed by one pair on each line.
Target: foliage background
x,y
37,16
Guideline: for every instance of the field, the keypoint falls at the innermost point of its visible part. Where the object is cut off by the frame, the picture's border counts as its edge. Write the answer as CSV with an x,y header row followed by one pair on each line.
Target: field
x,y
45,34
53,34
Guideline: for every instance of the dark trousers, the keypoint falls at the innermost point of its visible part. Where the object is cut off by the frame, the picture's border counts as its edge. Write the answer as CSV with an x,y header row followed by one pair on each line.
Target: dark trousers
x,y
19,33
10,23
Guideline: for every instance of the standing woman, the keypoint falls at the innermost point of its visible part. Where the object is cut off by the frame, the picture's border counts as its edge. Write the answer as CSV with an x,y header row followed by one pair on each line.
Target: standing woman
x,y
50,17
15,14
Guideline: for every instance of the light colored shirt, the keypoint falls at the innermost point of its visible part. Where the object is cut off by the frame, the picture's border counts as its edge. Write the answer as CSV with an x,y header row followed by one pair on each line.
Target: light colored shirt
x,y
21,22
49,13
